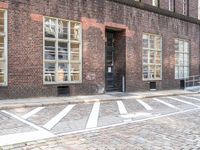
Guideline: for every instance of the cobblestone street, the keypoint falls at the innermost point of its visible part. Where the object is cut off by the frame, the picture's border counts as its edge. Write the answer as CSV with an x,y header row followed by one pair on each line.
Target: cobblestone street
x,y
152,123
179,131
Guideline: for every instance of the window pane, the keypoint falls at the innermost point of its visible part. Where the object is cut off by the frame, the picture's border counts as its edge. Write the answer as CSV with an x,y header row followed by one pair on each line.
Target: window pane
x,y
1,21
186,60
152,56
62,72
50,50
145,56
152,42
75,52
180,59
152,71
181,75
145,72
181,49
62,29
75,31
1,47
186,47
158,71
75,72
50,28
158,57
186,72
145,41
62,51
50,72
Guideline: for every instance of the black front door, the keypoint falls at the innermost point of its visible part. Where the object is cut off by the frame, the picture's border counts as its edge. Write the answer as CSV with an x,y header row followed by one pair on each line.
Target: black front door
x,y
110,62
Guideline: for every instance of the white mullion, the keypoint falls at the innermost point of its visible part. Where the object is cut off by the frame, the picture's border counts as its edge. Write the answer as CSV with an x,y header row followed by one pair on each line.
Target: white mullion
x,y
5,49
80,53
69,51
56,55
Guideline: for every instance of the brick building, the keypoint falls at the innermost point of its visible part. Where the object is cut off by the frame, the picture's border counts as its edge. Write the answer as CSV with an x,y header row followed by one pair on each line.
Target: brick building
x,y
79,47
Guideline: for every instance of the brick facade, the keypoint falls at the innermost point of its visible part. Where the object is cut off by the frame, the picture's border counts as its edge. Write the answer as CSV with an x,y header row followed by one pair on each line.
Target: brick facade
x,y
25,43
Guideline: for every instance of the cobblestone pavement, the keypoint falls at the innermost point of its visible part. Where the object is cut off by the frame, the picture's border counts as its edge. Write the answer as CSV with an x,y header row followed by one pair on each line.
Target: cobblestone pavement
x,y
156,123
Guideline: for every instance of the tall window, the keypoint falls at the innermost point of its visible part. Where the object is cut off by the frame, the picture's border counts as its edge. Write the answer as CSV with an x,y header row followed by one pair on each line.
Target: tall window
x,y
155,3
199,9
3,47
171,5
152,57
185,5
62,51
181,59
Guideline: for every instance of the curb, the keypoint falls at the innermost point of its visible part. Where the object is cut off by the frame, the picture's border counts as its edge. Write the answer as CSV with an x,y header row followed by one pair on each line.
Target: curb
x,y
77,101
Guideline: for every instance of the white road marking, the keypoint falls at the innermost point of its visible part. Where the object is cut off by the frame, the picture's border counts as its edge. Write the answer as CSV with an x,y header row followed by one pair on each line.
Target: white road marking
x,y
122,110
94,115
33,112
176,99
145,105
194,98
23,137
133,121
167,104
26,122
49,125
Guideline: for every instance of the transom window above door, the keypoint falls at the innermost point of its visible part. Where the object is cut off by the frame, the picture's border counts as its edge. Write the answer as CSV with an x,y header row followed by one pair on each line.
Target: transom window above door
x,y
62,51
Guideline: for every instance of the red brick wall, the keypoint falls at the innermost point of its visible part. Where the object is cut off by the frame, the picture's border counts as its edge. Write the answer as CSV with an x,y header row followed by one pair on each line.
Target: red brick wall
x,y
25,44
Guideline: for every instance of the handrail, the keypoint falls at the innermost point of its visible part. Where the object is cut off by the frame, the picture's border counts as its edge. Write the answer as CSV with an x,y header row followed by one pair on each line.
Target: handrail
x,y
192,81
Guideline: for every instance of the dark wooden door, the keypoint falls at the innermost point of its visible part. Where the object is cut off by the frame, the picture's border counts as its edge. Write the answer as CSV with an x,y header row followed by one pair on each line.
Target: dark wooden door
x,y
110,62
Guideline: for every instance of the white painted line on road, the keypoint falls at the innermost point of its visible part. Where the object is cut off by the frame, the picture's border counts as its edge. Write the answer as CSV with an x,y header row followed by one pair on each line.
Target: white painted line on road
x,y
145,105
23,137
27,122
122,109
33,112
194,98
176,99
133,121
49,125
94,115
167,104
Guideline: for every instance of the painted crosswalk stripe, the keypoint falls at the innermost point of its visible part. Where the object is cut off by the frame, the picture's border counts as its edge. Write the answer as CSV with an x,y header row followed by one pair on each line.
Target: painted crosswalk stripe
x,y
176,99
194,98
122,110
49,125
33,112
145,105
167,104
94,115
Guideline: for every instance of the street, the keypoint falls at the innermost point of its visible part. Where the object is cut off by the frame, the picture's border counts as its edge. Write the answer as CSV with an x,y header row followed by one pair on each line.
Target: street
x,y
152,123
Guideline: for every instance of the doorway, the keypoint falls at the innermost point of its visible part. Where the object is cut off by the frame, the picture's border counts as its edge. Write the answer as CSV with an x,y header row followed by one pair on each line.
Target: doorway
x,y
115,61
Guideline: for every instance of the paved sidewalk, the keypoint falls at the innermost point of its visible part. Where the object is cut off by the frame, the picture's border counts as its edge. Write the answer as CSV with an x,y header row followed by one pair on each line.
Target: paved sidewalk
x,y
45,101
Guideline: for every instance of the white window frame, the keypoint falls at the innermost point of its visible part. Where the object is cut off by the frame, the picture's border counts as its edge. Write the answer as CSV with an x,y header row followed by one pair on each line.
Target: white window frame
x,y
5,48
69,41
199,9
155,3
171,5
183,66
148,64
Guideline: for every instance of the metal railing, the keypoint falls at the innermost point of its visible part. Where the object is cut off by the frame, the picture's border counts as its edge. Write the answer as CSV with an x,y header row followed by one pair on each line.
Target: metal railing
x,y
192,82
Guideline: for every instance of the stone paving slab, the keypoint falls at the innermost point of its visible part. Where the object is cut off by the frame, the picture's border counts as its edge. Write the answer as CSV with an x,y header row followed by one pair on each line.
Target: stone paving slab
x,y
45,101
176,132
